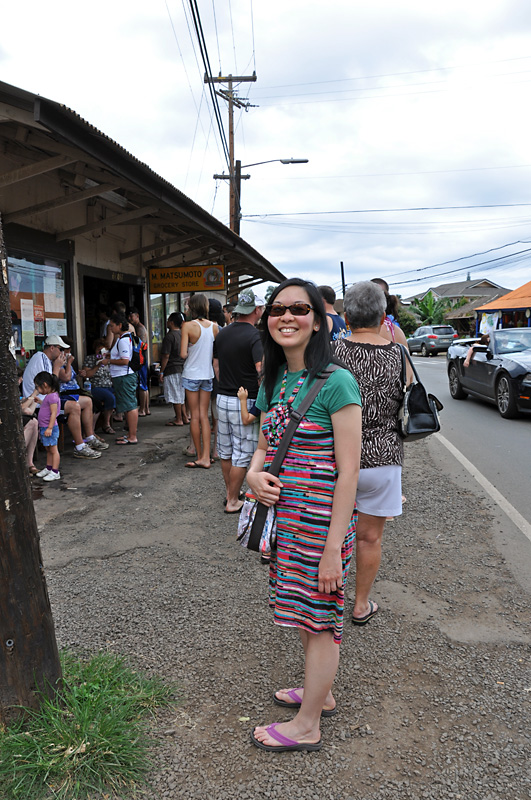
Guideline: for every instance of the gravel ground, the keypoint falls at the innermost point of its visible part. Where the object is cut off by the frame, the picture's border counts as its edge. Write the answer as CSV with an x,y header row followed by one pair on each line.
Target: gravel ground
x,y
433,693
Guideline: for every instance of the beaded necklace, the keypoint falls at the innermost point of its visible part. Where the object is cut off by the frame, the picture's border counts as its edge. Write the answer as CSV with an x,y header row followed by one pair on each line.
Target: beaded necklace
x,y
280,414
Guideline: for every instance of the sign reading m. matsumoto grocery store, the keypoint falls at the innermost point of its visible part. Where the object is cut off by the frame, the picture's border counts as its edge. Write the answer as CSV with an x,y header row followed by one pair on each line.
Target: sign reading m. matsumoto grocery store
x,y
187,279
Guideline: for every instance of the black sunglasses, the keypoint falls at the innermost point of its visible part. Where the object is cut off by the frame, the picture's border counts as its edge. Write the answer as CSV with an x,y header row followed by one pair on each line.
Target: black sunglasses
x,y
297,309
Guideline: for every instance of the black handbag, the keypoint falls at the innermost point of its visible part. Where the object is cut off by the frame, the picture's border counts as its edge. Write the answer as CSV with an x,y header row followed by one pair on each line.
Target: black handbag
x,y
296,415
418,415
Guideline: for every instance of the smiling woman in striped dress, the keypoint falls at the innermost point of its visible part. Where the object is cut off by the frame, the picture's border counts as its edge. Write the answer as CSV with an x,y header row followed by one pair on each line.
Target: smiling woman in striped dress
x,y
315,499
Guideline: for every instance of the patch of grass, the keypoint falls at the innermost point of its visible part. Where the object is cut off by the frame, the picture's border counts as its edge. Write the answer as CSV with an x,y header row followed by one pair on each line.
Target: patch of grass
x,y
90,740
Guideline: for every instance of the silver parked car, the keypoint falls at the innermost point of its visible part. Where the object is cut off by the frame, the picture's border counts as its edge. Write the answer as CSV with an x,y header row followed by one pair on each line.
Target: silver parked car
x,y
429,340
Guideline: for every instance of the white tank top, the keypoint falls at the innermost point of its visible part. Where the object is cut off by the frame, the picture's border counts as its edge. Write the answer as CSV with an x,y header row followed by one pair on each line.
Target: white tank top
x,y
198,365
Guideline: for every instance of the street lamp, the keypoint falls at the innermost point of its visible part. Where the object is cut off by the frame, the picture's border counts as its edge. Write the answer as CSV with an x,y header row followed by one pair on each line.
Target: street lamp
x,y
237,177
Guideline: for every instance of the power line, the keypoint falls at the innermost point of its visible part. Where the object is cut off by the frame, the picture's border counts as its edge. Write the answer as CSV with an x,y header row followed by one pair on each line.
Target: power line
x,y
382,210
216,29
206,63
398,74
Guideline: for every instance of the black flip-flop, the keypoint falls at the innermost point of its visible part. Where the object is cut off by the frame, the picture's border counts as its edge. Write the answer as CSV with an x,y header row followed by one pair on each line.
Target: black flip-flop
x,y
195,465
236,511
367,618
123,440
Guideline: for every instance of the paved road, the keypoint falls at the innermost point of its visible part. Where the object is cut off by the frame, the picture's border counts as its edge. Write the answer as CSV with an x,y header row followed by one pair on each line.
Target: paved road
x,y
499,448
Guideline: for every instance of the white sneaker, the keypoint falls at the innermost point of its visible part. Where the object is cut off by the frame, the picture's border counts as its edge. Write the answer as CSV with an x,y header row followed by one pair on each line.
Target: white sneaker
x,y
43,473
86,452
52,476
97,444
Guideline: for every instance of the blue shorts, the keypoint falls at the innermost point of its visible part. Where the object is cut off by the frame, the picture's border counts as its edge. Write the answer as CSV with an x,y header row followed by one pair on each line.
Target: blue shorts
x,y
143,381
66,397
196,386
49,441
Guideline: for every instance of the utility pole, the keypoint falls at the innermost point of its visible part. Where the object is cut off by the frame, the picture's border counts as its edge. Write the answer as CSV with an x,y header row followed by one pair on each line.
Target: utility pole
x,y
29,658
232,99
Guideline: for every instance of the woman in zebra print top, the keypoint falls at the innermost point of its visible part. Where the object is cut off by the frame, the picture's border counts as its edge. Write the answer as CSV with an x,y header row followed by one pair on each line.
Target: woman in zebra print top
x,y
377,366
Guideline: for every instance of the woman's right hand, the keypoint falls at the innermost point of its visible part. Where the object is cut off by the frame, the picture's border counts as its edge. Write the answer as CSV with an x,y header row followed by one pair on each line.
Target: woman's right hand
x,y
265,487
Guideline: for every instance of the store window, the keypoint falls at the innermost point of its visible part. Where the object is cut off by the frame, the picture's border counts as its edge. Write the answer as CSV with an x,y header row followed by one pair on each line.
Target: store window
x,y
37,300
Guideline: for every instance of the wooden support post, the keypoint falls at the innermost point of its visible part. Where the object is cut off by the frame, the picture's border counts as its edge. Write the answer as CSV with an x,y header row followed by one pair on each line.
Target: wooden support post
x,y
29,656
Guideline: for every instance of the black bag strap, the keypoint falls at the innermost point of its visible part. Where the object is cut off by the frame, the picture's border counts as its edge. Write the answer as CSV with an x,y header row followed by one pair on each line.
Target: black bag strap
x,y
405,354
296,415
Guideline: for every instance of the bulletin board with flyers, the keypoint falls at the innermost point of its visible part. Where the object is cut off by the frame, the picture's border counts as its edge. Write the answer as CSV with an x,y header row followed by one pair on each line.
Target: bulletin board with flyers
x,y
37,300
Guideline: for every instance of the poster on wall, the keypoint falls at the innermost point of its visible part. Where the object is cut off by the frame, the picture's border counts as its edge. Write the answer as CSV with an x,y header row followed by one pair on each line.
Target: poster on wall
x,y
27,324
38,318
56,327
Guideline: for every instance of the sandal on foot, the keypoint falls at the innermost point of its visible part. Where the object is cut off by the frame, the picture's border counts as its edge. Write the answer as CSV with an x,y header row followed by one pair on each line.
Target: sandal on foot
x,y
373,609
172,423
110,431
284,743
297,700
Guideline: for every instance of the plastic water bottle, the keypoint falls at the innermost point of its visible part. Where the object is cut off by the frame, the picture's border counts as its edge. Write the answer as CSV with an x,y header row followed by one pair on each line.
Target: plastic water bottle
x,y
87,385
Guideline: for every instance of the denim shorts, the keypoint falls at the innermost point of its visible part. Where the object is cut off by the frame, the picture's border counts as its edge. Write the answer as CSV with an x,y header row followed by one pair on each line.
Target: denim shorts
x,y
49,441
196,386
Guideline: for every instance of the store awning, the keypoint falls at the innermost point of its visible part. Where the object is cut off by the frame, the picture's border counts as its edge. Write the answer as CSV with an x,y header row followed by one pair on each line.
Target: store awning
x,y
517,300
43,136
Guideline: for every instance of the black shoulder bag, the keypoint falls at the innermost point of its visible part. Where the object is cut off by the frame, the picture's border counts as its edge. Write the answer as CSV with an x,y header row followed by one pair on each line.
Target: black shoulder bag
x,y
418,415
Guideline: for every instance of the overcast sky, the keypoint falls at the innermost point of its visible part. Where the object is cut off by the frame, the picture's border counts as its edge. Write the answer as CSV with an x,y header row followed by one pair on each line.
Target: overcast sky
x,y
397,105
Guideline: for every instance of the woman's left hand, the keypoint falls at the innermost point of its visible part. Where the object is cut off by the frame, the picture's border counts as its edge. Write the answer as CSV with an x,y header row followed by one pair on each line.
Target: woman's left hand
x,y
330,572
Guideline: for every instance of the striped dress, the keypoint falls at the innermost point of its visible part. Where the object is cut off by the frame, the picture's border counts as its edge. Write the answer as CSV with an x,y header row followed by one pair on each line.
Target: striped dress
x,y
304,509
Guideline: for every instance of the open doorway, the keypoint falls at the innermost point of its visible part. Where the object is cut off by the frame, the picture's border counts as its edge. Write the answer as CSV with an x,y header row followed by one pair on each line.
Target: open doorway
x,y
100,292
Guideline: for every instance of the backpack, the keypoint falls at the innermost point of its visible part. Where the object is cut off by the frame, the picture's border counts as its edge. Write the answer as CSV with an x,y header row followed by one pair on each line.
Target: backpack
x,y
139,357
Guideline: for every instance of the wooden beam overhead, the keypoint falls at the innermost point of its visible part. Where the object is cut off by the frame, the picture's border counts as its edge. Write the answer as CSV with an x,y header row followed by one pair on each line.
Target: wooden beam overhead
x,y
195,246
32,170
59,202
148,248
136,214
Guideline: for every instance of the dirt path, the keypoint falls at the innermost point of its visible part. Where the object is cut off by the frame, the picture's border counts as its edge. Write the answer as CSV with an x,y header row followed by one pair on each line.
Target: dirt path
x,y
433,694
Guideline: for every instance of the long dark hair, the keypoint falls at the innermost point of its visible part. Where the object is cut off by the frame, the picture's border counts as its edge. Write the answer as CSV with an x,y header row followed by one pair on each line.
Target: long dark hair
x,y
317,354
47,378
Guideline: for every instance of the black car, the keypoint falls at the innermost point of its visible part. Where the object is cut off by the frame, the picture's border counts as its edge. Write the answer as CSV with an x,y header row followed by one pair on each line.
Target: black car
x,y
499,372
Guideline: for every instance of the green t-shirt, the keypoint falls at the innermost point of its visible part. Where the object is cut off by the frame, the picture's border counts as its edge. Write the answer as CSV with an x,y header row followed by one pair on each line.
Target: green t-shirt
x,y
340,390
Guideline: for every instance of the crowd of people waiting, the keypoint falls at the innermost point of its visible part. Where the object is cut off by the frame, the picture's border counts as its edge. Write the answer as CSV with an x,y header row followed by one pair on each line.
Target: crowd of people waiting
x,y
248,367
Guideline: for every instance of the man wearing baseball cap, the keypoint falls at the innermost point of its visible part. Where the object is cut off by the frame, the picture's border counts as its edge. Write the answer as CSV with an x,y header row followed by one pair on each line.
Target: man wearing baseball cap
x,y
51,359
237,362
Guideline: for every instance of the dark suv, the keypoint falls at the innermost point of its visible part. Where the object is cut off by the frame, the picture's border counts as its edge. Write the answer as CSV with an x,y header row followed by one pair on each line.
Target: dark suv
x,y
431,339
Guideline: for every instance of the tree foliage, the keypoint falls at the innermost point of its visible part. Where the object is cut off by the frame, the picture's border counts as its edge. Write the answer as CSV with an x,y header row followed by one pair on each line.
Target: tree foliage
x,y
431,311
407,321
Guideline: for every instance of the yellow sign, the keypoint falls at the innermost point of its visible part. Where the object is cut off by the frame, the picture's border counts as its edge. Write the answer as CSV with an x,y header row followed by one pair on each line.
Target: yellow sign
x,y
187,279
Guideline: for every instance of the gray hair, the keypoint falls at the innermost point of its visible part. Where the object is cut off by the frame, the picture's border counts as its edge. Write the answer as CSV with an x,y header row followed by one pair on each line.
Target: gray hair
x,y
364,304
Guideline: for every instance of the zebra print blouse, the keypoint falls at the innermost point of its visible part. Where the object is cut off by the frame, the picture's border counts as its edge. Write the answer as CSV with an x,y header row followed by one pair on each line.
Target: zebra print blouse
x,y
378,371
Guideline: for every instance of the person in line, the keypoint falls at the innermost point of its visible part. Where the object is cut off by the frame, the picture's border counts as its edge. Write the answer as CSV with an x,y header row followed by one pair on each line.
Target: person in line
x,y
98,373
124,379
390,330
376,364
249,415
228,308
78,412
485,339
237,362
47,386
336,325
118,308
171,368
28,407
215,314
70,391
315,500
143,372
197,343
